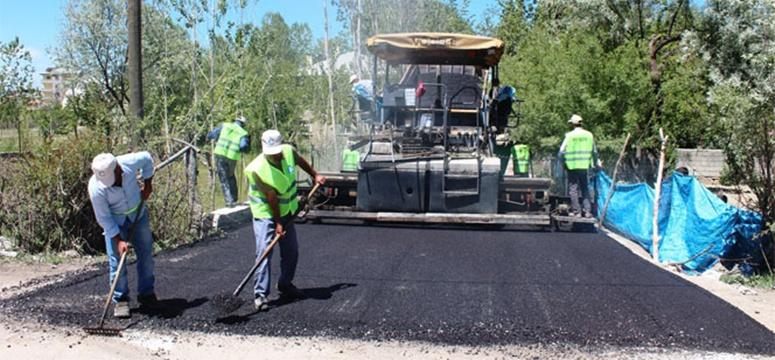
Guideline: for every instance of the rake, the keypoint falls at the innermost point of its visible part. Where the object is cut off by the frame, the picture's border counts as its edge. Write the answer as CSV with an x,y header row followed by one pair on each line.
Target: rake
x,y
100,329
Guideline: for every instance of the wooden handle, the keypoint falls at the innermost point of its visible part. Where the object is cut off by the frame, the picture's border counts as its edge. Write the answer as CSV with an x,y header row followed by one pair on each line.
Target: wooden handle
x,y
256,265
113,286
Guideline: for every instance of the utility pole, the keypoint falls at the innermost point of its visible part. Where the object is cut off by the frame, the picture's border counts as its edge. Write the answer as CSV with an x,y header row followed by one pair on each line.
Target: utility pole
x,y
135,68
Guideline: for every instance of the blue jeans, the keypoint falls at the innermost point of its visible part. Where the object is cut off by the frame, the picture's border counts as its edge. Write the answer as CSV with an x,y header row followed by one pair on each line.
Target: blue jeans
x,y
225,168
263,230
143,246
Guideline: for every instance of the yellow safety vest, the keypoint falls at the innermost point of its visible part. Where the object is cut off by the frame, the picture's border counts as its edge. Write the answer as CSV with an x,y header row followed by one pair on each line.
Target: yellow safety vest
x,y
579,145
282,181
520,156
228,141
350,160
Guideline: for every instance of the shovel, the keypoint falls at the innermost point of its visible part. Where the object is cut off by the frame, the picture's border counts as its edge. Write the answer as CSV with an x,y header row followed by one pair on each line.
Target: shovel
x,y
100,329
227,303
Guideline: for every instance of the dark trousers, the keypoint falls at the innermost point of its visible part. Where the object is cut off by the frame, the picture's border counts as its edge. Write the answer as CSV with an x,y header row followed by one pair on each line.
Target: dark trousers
x,y
225,168
577,179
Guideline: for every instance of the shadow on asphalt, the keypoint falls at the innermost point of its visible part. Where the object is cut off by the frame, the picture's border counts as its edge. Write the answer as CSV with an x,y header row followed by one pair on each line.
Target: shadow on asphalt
x,y
318,293
169,308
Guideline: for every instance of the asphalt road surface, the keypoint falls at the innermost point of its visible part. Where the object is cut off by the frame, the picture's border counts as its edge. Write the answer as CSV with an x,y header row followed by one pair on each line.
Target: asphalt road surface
x,y
450,286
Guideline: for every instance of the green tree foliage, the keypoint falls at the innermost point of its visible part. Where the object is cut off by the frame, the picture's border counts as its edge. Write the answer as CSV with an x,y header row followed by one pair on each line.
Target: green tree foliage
x,y
736,41
16,88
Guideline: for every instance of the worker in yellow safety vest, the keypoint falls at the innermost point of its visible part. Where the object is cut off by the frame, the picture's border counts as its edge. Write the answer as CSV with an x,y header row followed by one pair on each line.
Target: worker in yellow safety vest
x,y
578,154
232,141
273,204
521,161
350,159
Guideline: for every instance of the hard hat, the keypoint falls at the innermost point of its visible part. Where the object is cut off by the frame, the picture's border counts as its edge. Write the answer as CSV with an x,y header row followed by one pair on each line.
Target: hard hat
x,y
502,139
104,167
241,119
575,119
271,141
353,78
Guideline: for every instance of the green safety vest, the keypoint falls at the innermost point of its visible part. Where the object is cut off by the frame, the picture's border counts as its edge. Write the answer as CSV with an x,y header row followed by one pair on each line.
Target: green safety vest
x,y
350,160
228,141
283,182
578,149
520,156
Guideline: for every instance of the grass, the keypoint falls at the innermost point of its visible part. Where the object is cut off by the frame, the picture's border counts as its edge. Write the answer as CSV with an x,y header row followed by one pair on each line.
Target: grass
x,y
766,281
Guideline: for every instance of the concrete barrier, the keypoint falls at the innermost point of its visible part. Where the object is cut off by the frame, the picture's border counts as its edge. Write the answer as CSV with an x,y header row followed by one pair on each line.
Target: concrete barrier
x,y
230,218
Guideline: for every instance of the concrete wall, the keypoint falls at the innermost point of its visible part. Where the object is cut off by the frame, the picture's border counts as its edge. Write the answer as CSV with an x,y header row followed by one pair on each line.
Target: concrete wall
x,y
702,162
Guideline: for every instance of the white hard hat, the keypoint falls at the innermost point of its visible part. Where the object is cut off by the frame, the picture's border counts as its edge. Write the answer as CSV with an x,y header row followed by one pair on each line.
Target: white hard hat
x,y
241,119
271,141
575,119
353,78
502,139
104,167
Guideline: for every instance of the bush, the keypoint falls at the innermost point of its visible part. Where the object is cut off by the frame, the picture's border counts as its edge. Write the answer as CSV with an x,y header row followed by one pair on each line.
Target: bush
x,y
44,201
45,206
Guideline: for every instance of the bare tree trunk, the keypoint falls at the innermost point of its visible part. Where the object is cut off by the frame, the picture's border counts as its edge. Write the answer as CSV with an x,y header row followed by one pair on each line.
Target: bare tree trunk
x,y
357,44
211,170
135,68
330,66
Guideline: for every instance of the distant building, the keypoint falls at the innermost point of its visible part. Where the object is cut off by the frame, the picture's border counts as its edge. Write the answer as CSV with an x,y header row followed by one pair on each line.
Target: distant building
x,y
345,61
56,86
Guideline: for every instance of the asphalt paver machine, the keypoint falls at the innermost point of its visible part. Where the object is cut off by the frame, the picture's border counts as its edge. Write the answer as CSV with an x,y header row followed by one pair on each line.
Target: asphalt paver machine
x,y
429,152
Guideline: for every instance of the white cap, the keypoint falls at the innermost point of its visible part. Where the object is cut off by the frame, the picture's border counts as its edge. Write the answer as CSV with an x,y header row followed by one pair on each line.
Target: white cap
x,y
353,78
271,142
575,119
240,119
104,167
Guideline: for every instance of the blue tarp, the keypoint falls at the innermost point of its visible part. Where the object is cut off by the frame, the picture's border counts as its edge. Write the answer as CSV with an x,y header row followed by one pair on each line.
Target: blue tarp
x,y
695,226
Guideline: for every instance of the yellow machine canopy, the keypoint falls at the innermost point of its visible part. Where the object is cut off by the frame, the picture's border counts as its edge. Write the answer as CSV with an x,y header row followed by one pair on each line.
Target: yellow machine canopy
x,y
436,48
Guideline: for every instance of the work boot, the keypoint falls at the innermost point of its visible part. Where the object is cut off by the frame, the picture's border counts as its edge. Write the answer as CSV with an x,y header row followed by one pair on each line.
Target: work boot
x,y
290,291
121,309
260,303
147,299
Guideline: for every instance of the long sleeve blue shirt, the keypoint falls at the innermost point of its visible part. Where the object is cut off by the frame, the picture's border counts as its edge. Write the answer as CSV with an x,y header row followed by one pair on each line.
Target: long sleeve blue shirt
x,y
113,204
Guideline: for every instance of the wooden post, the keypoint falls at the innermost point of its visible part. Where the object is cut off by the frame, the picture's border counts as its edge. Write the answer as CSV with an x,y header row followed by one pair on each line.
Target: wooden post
x,y
613,181
658,191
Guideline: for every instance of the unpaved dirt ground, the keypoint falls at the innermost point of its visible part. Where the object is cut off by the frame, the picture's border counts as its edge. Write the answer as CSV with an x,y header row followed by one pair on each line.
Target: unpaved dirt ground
x,y
30,340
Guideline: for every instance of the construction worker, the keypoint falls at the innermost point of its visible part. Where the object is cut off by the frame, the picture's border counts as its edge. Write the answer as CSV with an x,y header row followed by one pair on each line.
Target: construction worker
x,y
579,153
273,203
363,92
115,197
502,104
520,158
350,159
233,140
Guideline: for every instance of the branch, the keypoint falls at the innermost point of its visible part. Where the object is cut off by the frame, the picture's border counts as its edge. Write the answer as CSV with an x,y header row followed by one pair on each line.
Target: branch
x,y
675,15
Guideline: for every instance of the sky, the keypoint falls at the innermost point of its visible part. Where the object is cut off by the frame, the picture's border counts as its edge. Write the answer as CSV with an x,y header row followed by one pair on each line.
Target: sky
x,y
37,23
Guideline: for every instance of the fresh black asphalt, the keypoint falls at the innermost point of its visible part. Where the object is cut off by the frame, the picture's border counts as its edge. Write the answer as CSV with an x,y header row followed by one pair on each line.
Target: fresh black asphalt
x,y
451,286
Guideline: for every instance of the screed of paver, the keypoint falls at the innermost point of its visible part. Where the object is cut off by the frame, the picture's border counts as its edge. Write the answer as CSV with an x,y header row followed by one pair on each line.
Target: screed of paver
x,y
441,286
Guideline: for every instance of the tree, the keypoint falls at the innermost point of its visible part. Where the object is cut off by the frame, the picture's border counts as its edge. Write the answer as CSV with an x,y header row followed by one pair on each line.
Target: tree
x,y
16,88
94,46
736,39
